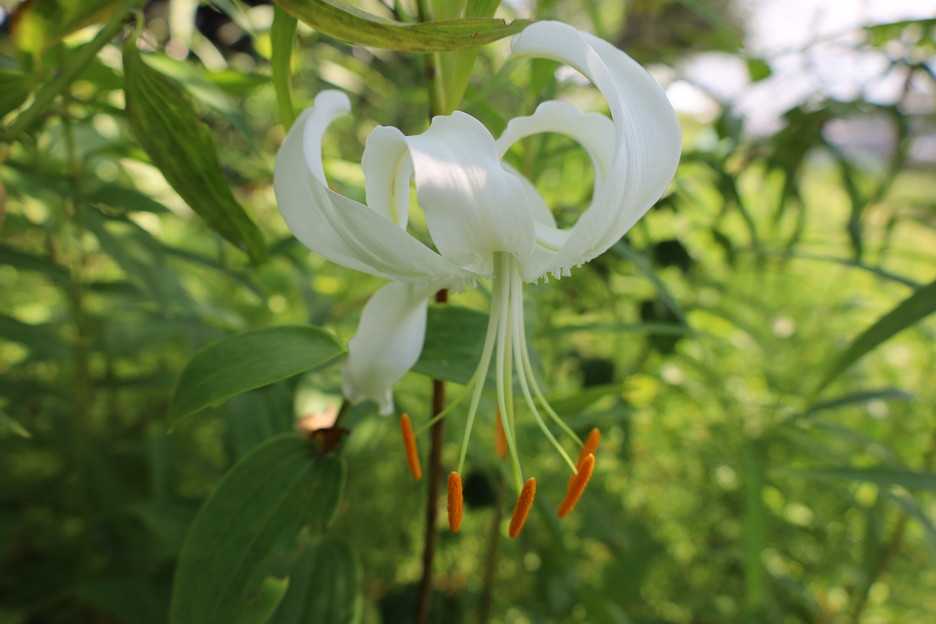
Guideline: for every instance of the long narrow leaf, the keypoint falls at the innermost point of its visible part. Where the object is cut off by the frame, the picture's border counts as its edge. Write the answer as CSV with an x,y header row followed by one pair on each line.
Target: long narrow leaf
x,y
911,310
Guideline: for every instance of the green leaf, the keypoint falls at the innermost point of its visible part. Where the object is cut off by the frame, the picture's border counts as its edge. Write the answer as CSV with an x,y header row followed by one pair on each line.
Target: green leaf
x,y
77,60
339,20
880,475
453,69
324,586
181,146
14,89
853,398
758,69
252,360
282,37
258,508
755,527
261,607
454,339
911,310
9,425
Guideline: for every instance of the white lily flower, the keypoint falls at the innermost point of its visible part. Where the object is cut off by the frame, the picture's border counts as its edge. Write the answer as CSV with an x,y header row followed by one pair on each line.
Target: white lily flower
x,y
485,219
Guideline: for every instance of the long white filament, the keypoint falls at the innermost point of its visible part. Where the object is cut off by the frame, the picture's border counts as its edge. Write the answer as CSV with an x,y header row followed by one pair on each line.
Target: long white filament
x,y
502,297
516,306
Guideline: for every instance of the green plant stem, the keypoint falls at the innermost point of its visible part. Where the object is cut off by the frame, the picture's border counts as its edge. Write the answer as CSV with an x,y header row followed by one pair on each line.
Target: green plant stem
x,y
891,549
82,57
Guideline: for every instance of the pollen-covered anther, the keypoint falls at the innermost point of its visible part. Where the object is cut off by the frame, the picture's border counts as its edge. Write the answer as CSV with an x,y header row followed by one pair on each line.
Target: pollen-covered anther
x,y
577,485
500,438
590,446
522,508
409,442
455,502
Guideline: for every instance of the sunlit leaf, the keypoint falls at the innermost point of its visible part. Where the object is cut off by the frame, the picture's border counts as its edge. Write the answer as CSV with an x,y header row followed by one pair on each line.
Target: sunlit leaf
x,y
283,36
252,360
908,312
164,122
343,21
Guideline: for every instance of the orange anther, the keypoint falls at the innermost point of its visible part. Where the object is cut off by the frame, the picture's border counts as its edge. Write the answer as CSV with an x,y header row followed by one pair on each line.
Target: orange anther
x,y
522,509
577,485
591,445
455,504
500,438
409,441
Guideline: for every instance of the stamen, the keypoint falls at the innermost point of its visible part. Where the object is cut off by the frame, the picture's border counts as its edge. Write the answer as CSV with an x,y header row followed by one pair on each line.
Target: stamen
x,y
577,485
500,439
522,509
455,502
409,442
590,446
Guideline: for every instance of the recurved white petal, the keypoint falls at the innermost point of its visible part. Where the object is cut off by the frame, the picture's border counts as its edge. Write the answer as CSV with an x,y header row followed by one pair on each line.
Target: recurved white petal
x,y
388,342
341,229
646,138
387,173
474,205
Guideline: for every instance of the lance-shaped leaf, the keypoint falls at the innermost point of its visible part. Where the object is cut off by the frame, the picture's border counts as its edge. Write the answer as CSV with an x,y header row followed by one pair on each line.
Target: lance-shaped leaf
x,y
454,68
911,310
342,21
248,361
181,146
324,586
282,37
258,508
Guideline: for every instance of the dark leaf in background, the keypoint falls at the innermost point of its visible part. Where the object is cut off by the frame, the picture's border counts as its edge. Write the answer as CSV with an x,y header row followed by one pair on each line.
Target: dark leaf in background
x,y
596,371
454,339
479,489
164,122
671,252
655,311
258,508
248,361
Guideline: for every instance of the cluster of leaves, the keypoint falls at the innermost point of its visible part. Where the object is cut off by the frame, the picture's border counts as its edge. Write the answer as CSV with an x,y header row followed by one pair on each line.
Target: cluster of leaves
x,y
757,467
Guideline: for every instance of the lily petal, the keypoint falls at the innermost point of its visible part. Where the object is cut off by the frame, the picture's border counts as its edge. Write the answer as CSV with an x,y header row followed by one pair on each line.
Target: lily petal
x,y
345,231
387,173
474,205
647,138
388,342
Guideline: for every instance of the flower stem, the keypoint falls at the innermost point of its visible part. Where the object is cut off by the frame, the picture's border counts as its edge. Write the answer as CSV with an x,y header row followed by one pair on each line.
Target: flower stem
x,y
432,494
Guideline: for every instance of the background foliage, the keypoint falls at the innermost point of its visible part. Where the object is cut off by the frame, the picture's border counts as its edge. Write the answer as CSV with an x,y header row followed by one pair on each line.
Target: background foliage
x,y
756,351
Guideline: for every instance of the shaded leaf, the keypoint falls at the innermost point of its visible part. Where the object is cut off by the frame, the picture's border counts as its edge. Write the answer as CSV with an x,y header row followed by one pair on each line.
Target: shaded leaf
x,y
324,586
259,506
454,339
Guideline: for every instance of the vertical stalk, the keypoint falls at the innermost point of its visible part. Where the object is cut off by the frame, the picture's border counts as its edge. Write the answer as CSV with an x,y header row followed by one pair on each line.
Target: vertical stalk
x,y
755,531
433,474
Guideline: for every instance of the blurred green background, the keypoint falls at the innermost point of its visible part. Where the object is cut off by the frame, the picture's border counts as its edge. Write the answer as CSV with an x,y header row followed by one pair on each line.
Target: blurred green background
x,y
726,489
